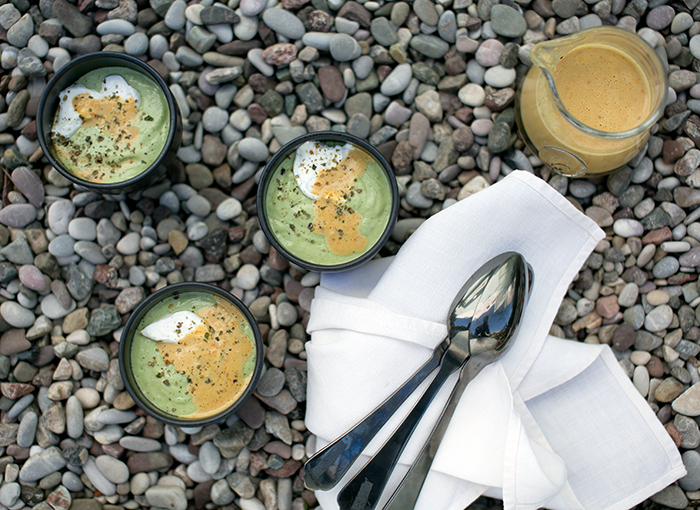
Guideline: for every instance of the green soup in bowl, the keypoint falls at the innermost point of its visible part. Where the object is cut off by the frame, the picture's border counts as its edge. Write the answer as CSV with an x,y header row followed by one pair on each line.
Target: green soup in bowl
x,y
120,135
191,354
109,123
328,201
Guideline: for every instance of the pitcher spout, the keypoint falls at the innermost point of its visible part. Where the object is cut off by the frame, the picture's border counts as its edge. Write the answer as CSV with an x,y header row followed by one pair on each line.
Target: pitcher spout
x,y
546,54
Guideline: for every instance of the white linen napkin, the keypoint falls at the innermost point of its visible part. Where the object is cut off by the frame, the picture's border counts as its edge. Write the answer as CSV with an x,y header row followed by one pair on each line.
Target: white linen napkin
x,y
556,423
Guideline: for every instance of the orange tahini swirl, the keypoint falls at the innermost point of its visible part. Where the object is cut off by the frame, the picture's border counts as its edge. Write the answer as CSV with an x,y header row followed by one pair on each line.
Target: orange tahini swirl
x,y
333,218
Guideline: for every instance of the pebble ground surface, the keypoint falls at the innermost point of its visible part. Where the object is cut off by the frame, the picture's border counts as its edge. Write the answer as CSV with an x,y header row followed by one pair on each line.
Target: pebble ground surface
x,y
432,85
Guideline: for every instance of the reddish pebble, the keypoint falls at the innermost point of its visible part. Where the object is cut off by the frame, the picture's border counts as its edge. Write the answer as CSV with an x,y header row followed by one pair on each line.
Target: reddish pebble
x,y
675,435
236,233
655,367
658,236
13,341
287,470
607,307
17,452
257,113
623,337
672,151
32,278
293,288
277,261
280,54
15,390
331,82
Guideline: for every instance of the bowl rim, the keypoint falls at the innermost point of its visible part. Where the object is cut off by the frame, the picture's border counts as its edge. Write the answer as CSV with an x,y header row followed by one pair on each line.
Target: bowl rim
x,y
146,70
127,374
282,154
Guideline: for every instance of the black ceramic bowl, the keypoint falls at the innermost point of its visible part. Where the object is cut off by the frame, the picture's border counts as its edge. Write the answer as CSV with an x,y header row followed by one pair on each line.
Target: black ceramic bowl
x,y
68,75
267,183
125,358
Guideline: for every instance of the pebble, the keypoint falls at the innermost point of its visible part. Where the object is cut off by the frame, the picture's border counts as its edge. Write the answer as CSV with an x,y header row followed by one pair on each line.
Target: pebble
x,y
688,403
397,81
16,315
59,215
98,480
9,493
384,32
129,244
167,496
175,17
253,149
499,76
628,228
229,209
27,430
209,457
112,469
9,15
691,461
17,215
116,26
284,23
252,7
214,119
343,48
472,95
136,44
659,318
41,464
489,53
507,22
140,444
20,32
681,22
660,17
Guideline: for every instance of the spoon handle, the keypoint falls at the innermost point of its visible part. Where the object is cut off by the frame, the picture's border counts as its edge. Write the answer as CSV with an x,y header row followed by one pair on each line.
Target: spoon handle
x,y
365,489
327,466
406,494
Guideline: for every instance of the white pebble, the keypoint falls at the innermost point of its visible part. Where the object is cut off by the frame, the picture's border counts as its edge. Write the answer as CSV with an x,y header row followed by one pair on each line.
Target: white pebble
x,y
229,209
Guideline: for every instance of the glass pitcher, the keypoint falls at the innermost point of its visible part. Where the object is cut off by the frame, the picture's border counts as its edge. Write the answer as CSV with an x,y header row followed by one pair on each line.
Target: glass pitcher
x,y
604,133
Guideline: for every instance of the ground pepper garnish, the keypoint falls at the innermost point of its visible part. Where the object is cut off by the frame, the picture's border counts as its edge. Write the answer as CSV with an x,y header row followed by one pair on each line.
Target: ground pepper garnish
x,y
114,116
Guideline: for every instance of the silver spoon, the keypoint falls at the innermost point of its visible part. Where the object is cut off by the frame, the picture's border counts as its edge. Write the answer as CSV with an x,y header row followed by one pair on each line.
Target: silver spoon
x,y
483,318
488,342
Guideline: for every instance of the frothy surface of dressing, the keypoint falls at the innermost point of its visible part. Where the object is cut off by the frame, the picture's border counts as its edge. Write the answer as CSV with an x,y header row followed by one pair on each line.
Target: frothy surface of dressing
x,y
602,88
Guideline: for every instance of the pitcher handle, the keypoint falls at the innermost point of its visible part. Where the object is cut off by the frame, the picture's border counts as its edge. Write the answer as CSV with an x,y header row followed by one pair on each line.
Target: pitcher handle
x,y
562,161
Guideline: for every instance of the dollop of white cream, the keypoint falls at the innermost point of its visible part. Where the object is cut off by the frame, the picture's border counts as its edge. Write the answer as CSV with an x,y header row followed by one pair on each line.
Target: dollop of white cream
x,y
172,328
68,120
312,158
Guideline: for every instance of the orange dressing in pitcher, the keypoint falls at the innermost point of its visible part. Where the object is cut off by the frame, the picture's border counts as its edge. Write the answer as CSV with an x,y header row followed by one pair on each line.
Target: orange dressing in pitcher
x,y
609,82
602,88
